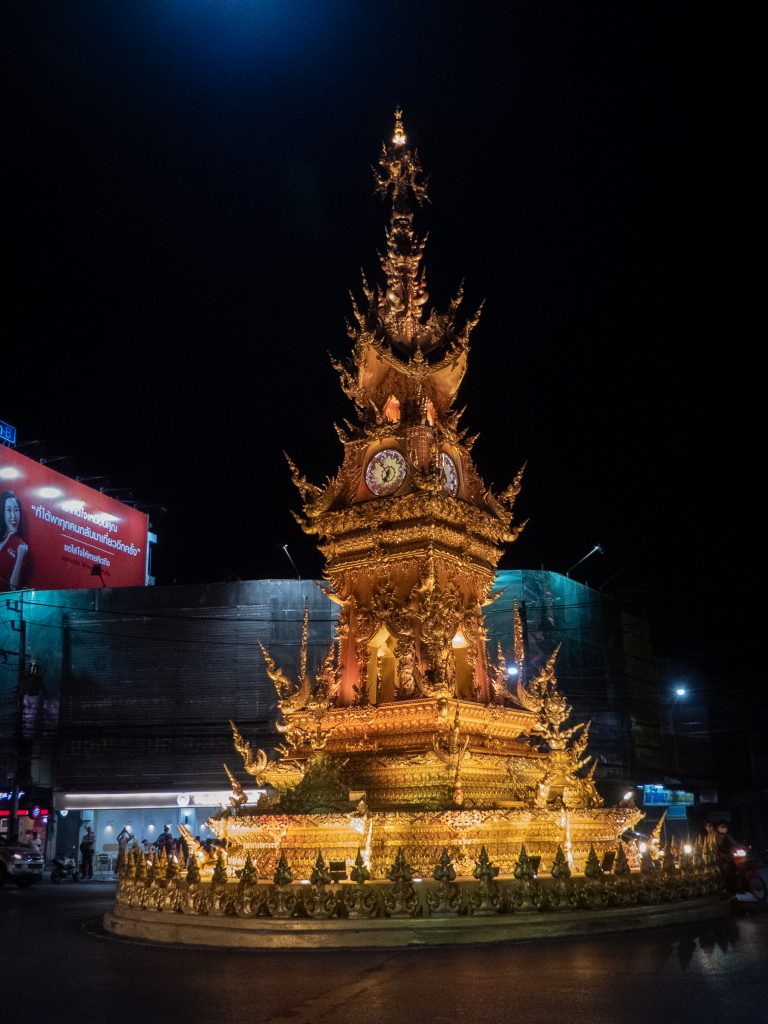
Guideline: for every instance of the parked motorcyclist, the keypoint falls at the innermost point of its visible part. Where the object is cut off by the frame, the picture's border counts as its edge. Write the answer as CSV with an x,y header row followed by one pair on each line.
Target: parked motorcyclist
x,y
65,865
726,844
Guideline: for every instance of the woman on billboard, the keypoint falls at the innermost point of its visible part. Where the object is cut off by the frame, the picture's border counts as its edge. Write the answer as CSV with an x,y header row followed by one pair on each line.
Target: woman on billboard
x,y
13,547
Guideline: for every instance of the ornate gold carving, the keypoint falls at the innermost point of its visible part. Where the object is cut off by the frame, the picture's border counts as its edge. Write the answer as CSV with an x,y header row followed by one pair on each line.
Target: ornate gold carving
x,y
444,901
518,639
452,752
401,900
282,775
522,890
565,780
239,796
291,698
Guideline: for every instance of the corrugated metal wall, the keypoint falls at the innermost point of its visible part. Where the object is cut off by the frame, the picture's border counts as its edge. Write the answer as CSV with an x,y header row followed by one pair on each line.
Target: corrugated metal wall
x,y
150,680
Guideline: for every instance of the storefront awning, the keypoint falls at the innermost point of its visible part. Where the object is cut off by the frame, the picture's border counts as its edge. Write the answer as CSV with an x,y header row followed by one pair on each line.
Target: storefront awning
x,y
107,801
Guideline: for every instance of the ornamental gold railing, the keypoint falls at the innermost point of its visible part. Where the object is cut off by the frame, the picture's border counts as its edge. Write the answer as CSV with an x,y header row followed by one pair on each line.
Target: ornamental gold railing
x,y
158,884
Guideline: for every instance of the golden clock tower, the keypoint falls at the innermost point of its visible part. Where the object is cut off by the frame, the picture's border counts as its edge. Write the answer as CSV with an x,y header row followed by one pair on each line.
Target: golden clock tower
x,y
408,738
410,534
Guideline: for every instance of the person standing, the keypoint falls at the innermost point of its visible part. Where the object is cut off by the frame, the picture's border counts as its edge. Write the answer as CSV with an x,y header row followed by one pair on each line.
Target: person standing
x,y
124,839
87,844
164,842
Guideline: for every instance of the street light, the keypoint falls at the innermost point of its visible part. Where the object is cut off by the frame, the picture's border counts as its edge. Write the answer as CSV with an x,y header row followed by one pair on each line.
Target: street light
x,y
598,549
288,556
680,692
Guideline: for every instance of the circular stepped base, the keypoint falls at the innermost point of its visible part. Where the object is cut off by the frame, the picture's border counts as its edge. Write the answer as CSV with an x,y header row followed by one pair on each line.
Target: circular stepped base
x,y
344,933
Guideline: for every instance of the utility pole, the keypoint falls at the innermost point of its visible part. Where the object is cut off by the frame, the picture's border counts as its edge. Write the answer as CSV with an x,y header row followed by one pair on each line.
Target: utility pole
x,y
21,628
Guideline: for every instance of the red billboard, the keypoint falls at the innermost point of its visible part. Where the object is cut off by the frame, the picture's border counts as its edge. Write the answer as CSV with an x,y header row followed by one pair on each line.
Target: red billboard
x,y
55,533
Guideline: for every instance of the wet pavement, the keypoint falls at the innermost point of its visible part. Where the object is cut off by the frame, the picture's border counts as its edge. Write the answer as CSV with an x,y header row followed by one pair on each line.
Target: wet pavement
x,y
63,968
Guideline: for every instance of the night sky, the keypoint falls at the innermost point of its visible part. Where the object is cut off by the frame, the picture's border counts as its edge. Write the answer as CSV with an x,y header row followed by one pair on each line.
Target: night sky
x,y
190,201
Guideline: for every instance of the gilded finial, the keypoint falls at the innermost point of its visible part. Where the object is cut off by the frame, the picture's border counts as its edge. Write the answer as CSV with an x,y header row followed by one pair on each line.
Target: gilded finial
x,y
399,138
304,639
518,634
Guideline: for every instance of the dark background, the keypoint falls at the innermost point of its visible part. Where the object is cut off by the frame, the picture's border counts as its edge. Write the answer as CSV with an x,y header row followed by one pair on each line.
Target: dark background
x,y
189,201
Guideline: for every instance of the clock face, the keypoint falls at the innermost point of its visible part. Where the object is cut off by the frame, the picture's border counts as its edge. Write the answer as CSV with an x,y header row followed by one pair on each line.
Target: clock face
x,y
449,474
386,472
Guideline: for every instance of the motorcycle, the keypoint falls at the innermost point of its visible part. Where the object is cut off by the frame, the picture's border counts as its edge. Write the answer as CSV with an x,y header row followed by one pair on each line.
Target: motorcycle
x,y
746,875
64,867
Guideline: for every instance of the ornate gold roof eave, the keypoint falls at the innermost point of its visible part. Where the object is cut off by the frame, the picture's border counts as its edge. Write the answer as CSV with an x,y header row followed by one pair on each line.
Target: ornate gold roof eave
x,y
482,721
375,356
482,571
418,364
317,501
423,530
480,554
414,505
476,555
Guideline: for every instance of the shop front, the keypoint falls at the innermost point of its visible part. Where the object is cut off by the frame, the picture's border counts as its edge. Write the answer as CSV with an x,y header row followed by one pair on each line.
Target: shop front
x,y
142,815
32,815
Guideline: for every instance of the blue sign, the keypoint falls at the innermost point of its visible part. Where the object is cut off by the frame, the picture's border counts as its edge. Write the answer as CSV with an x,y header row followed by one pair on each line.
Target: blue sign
x,y
7,433
677,811
657,796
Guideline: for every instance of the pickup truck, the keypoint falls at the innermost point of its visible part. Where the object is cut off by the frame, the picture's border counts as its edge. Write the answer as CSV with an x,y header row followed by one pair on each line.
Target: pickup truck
x,y
20,863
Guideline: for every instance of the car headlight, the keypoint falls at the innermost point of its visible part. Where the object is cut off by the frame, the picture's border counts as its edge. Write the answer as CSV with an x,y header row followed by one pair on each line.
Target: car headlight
x,y
17,856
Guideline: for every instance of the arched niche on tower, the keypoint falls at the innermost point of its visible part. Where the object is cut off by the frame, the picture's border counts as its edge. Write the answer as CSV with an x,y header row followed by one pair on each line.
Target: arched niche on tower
x,y
381,674
463,668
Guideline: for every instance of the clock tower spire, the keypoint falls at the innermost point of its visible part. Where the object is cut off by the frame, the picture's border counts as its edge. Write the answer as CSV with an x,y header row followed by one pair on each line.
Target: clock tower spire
x,y
410,534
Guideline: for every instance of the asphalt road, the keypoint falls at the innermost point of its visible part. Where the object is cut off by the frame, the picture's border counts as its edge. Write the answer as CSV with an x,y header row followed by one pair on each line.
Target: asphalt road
x,y
61,967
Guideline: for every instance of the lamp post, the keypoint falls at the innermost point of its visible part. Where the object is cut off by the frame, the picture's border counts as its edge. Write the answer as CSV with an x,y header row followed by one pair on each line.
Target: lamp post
x,y
598,549
288,556
679,693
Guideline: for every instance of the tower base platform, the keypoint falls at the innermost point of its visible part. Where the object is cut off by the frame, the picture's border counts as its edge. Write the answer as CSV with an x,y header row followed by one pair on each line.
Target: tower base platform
x,y
235,932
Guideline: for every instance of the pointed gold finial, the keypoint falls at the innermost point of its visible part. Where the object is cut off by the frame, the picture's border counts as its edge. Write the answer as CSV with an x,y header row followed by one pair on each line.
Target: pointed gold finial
x,y
304,639
399,138
518,635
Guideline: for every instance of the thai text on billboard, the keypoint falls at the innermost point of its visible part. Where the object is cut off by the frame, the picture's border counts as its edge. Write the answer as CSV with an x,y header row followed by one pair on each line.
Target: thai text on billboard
x,y
55,533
